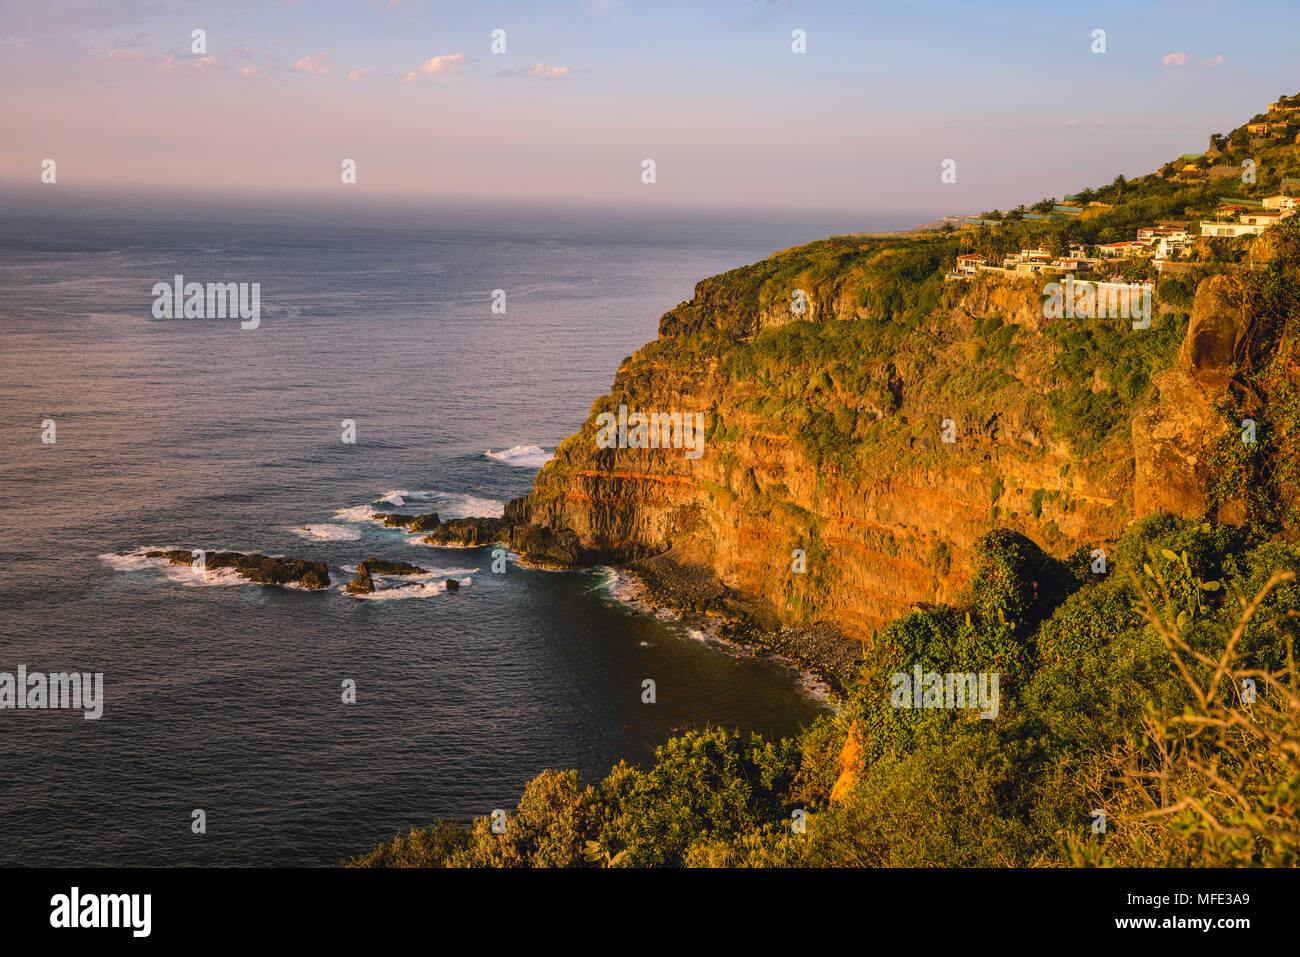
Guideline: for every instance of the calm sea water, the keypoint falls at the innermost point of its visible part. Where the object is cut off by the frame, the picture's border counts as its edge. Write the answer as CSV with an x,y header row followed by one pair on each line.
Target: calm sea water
x,y
195,433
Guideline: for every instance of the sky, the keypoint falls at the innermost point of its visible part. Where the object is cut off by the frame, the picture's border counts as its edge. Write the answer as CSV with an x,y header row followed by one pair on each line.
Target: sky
x,y
586,91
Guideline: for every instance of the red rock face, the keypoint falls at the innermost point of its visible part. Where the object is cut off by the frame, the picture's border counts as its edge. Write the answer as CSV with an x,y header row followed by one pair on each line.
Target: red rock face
x,y
1219,318
896,525
1172,443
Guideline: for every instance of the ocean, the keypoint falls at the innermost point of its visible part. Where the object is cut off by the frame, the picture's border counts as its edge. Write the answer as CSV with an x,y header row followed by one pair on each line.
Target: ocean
x,y
227,696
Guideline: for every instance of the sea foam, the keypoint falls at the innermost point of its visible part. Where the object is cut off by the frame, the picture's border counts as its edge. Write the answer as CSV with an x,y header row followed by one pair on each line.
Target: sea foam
x,y
446,504
328,533
189,576
522,456
414,586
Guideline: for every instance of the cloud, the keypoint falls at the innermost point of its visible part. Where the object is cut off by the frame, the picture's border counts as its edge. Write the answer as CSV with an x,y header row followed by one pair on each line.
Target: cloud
x,y
448,63
540,71
1175,59
355,75
316,65
165,62
251,71
1213,60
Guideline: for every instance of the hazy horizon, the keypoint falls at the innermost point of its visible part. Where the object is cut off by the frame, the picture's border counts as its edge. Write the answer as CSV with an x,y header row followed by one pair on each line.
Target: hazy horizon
x,y
283,93
770,230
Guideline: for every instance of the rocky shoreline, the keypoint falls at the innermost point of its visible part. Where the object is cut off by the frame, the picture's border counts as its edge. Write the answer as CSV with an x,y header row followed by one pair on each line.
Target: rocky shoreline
x,y
664,581
823,650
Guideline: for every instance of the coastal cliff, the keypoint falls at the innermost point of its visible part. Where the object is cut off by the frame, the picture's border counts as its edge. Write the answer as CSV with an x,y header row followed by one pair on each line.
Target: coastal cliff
x,y
915,464
867,424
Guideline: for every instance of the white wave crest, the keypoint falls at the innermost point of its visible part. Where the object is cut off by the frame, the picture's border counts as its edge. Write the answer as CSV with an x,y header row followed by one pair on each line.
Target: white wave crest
x,y
423,587
446,504
357,513
190,576
522,456
328,533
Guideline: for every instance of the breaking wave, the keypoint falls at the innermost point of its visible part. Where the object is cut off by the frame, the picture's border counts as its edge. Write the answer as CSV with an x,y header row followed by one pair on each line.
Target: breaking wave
x,y
522,456
446,504
189,576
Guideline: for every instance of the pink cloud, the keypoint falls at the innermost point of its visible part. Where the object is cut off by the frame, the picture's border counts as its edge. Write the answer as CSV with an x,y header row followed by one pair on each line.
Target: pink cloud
x,y
448,63
1212,61
1175,59
316,65
355,75
165,62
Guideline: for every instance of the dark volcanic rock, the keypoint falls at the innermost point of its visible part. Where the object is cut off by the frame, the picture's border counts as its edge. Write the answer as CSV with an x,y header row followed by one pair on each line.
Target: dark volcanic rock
x,y
412,523
256,568
453,585
694,588
822,648
555,549
379,566
363,584
466,531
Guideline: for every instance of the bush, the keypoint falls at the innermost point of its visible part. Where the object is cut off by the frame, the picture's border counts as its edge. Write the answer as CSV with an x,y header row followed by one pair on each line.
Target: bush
x,y
431,847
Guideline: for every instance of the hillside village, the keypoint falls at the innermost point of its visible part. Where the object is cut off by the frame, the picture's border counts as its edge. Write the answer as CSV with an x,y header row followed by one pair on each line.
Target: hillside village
x,y
1158,244
1169,240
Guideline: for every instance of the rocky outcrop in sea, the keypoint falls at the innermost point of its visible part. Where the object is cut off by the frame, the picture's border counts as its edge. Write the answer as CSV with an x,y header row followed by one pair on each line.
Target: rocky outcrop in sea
x,y
263,569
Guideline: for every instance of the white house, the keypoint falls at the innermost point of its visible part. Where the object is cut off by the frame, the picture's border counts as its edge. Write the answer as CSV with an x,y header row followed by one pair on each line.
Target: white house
x,y
1153,234
1071,265
1121,250
1168,247
1263,217
1230,230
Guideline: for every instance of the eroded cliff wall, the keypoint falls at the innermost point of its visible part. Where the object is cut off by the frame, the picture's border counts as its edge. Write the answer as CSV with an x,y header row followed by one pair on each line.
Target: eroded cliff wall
x,y
827,417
